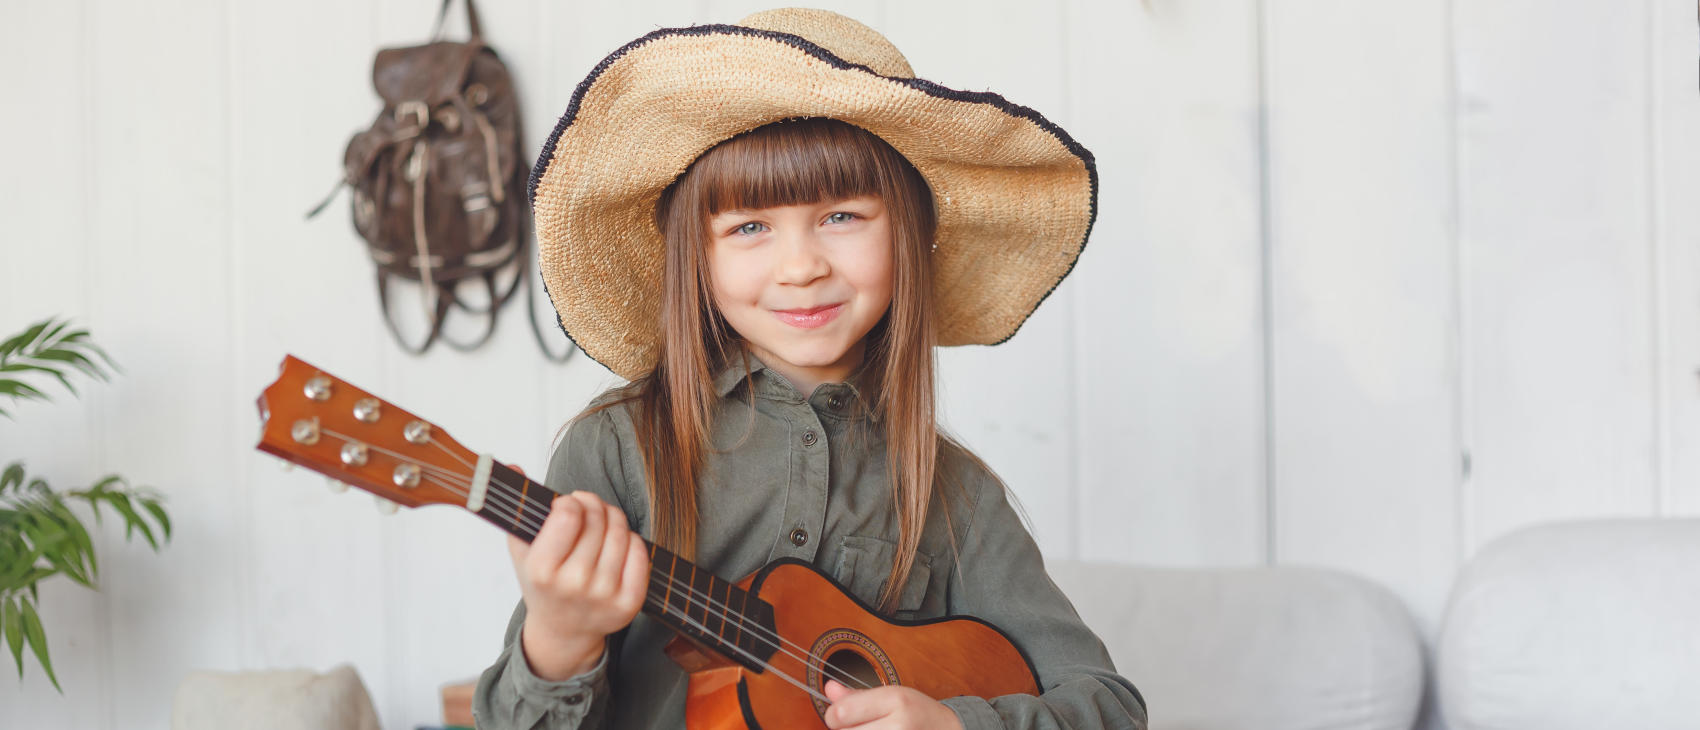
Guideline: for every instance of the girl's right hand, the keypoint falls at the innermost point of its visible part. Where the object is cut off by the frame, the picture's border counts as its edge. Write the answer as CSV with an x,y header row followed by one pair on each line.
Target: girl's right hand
x,y
583,577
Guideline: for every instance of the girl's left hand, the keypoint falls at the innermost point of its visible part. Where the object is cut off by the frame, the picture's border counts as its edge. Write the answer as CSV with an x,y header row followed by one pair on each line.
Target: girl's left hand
x,y
885,708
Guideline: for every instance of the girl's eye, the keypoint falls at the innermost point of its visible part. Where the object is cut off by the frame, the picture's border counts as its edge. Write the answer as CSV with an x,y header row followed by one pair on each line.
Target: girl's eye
x,y
841,217
749,229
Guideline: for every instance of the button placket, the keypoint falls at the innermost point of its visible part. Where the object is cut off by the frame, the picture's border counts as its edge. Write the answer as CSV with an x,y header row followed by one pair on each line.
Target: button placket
x,y
805,505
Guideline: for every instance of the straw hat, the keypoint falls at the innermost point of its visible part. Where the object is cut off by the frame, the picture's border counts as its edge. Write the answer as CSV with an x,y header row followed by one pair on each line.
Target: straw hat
x,y
1015,195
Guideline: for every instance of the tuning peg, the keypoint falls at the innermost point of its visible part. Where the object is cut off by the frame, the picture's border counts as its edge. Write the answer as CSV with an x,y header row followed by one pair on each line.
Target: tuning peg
x,y
385,506
336,486
288,466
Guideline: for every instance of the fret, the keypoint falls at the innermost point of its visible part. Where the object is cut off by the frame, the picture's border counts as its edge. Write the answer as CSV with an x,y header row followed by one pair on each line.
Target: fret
x,y
743,608
499,504
667,598
519,509
721,605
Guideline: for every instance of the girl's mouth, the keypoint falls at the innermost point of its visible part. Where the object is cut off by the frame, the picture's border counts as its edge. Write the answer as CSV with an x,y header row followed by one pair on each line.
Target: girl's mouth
x,y
809,318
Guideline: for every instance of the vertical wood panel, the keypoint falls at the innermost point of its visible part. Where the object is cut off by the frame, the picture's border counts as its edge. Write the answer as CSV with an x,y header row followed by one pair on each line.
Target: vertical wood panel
x,y
161,223
302,288
1554,224
42,262
574,41
449,584
1363,321
1675,154
1367,460
1168,321
1012,403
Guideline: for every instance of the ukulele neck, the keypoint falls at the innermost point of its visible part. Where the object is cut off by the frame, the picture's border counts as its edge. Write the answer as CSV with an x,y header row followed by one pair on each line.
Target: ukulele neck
x,y
711,611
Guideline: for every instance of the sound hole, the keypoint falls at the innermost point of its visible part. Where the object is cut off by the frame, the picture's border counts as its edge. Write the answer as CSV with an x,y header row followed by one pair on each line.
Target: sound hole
x,y
852,670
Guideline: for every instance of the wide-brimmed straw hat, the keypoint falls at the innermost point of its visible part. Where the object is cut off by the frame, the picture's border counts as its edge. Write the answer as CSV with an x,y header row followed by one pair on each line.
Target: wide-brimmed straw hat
x,y
1015,195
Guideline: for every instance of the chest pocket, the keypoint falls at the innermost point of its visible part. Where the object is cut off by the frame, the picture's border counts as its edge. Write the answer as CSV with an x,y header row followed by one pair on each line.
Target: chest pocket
x,y
864,566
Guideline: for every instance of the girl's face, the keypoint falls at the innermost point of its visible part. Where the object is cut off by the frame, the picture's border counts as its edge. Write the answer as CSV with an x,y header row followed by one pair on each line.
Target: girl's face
x,y
803,284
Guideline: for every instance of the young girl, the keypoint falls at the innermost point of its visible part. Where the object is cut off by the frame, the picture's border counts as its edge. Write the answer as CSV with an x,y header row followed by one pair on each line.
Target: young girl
x,y
768,227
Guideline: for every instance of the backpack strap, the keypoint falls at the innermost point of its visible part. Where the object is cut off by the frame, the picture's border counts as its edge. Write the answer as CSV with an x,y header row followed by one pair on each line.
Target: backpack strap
x,y
472,25
437,314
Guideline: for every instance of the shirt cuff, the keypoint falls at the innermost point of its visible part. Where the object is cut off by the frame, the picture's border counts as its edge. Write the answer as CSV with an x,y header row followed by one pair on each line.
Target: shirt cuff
x,y
975,713
576,692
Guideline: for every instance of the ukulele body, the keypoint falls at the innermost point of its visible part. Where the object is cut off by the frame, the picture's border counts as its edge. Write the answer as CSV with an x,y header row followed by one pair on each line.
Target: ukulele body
x,y
945,657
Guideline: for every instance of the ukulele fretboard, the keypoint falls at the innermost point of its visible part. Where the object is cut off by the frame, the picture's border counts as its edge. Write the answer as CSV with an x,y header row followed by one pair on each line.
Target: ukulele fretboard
x,y
692,601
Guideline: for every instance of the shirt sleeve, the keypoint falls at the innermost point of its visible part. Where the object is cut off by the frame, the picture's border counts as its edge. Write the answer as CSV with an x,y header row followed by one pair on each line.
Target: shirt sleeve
x,y
509,695
1001,578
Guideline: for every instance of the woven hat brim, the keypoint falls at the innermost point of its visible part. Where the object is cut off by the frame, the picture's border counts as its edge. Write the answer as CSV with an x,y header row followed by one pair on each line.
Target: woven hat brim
x,y
1016,196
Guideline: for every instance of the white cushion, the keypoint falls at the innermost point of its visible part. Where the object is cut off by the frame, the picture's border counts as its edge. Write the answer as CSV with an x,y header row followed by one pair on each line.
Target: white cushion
x,y
1254,649
274,700
1577,625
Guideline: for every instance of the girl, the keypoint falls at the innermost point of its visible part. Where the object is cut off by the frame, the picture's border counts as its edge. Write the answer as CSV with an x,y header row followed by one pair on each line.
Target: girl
x,y
768,227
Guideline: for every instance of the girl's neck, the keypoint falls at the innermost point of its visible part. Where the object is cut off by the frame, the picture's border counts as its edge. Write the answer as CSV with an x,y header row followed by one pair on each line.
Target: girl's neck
x,y
806,378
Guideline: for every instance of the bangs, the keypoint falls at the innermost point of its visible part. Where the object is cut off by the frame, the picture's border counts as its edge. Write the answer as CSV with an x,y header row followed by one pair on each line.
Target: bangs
x,y
794,162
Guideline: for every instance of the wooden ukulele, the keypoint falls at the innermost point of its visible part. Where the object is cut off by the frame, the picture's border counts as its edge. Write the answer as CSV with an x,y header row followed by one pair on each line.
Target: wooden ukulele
x,y
758,651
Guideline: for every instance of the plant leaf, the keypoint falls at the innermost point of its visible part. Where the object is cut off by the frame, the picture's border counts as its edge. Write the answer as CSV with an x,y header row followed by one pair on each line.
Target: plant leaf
x,y
74,359
22,338
38,642
26,367
12,625
121,502
158,512
20,390
13,476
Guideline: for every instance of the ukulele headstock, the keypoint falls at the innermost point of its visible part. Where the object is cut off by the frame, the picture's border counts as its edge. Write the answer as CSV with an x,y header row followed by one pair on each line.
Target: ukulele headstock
x,y
318,421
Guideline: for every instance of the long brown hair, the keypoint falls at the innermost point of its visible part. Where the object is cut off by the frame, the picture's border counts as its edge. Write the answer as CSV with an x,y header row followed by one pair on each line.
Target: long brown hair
x,y
789,163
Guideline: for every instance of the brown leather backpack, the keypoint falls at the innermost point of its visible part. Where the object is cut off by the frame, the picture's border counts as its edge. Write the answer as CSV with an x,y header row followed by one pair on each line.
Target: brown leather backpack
x,y
439,191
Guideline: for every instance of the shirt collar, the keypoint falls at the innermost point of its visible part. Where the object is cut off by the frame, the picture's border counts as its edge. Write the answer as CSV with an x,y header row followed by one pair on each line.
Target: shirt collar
x,y
769,382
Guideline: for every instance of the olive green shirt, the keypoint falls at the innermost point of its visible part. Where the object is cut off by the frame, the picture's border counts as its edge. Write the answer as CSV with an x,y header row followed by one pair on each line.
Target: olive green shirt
x,y
806,478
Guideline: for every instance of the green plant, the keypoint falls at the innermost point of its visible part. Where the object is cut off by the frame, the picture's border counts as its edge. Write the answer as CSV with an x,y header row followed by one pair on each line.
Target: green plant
x,y
40,535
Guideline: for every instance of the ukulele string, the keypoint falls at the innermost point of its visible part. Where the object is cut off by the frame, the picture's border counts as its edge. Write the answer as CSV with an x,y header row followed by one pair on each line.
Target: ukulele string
x,y
692,595
535,510
755,630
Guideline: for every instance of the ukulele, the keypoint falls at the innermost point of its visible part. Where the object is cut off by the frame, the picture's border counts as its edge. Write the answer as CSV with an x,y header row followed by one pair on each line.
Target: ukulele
x,y
758,651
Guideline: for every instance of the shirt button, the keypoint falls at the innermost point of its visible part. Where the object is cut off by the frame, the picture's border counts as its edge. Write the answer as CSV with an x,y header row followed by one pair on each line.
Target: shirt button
x,y
799,537
574,699
835,401
809,437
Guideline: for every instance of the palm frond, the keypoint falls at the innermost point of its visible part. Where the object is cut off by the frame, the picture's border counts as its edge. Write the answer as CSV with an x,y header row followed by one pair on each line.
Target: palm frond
x,y
49,348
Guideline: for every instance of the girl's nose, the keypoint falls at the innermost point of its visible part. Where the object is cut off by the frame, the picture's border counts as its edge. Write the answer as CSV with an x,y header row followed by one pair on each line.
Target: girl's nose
x,y
800,260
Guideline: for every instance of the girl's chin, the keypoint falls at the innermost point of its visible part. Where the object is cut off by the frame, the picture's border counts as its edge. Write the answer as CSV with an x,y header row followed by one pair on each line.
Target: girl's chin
x,y
809,358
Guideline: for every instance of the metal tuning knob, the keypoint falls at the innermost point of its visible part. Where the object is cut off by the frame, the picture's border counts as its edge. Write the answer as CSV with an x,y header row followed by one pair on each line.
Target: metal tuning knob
x,y
318,388
354,453
385,506
305,431
406,476
417,432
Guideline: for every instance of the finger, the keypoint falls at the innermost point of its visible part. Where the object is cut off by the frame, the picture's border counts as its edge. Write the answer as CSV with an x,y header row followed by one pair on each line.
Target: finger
x,y
582,560
634,582
517,549
556,536
616,539
858,707
834,690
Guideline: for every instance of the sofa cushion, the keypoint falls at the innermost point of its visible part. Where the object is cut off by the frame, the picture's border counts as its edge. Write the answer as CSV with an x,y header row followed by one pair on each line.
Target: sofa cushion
x,y
1591,624
1276,648
296,699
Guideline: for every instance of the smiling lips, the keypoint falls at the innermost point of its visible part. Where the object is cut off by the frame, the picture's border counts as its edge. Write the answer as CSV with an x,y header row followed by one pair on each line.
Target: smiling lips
x,y
809,318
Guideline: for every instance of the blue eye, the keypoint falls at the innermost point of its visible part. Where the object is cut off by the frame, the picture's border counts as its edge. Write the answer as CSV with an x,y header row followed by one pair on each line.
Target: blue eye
x,y
749,229
841,217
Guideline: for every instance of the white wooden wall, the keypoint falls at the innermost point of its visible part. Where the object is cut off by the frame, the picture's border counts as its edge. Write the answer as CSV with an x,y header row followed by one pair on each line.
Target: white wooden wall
x,y
1372,284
